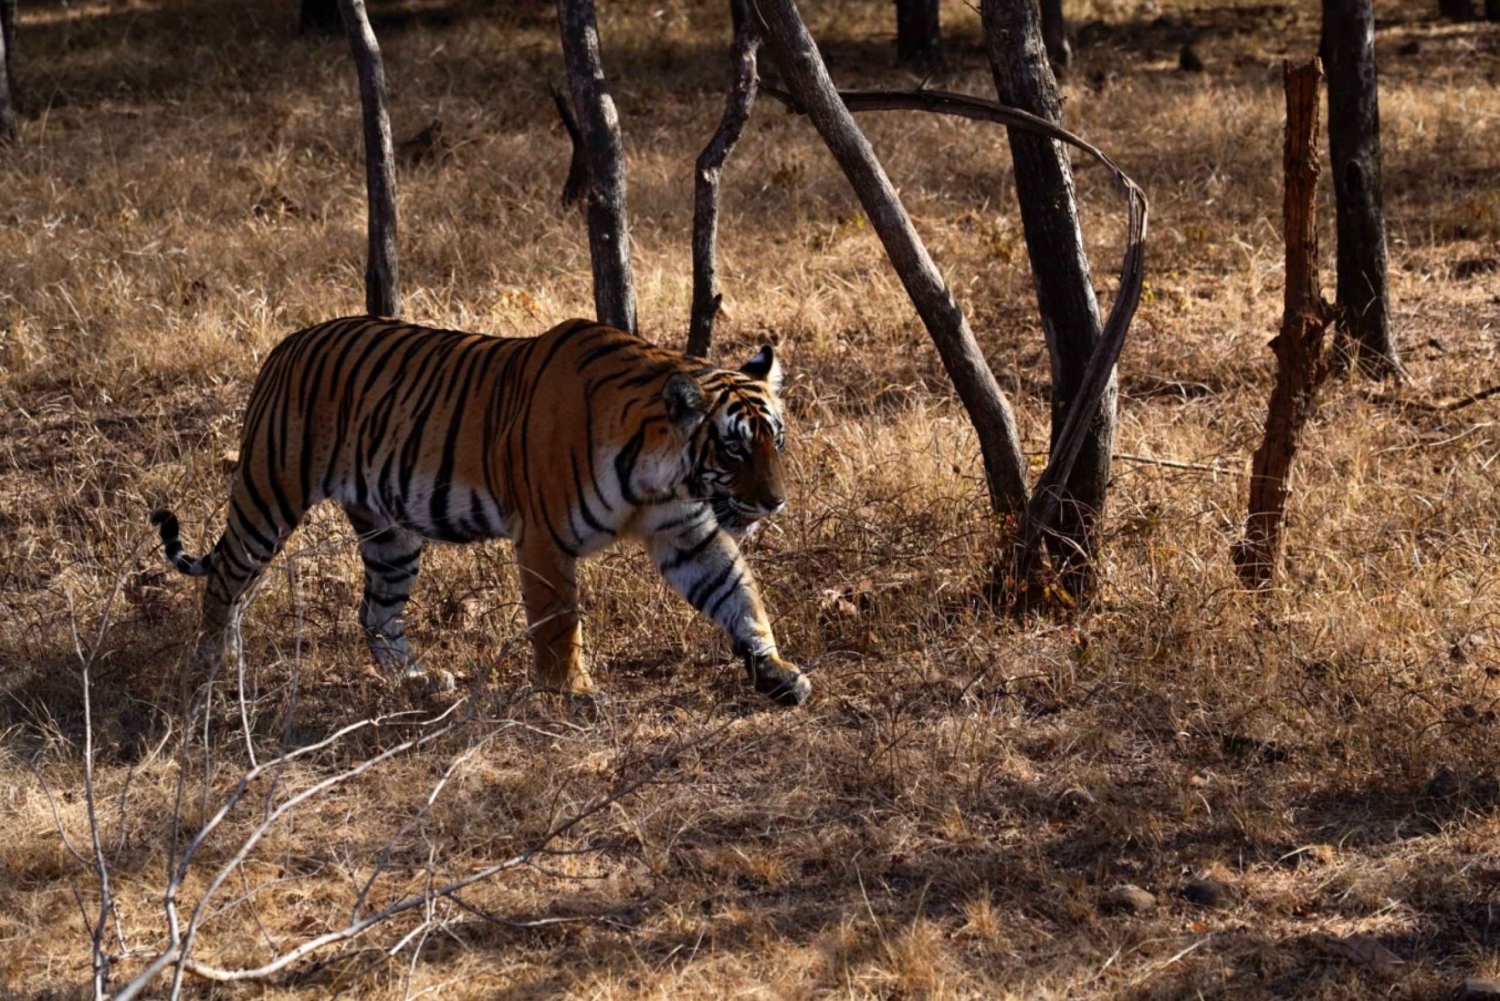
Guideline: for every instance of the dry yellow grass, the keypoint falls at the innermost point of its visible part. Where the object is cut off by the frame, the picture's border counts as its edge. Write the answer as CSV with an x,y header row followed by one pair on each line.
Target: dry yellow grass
x,y
947,816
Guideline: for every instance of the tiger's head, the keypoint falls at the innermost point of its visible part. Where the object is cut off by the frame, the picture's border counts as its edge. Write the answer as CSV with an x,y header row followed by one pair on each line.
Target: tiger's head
x,y
734,426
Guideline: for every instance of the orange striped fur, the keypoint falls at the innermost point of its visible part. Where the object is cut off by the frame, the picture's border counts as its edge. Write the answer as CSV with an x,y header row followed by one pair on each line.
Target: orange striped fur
x,y
563,443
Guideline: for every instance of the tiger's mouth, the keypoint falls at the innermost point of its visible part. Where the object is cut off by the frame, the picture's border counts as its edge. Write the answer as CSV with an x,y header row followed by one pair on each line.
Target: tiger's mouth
x,y
733,515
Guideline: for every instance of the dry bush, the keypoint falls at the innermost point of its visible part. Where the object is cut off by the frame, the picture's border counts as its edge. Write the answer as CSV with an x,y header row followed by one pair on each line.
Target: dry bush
x,y
945,819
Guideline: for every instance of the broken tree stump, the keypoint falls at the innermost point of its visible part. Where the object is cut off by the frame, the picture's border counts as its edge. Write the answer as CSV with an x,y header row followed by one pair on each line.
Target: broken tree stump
x,y
1302,361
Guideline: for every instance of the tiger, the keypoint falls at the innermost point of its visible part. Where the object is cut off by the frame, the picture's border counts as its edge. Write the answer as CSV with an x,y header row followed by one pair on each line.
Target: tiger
x,y
564,443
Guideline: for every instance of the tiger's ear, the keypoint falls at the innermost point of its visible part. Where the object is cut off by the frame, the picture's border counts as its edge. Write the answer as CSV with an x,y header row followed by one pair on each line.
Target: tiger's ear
x,y
764,367
685,402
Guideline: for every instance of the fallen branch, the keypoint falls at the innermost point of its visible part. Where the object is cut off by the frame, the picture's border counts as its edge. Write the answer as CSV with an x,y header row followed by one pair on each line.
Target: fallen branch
x,y
1436,408
1201,467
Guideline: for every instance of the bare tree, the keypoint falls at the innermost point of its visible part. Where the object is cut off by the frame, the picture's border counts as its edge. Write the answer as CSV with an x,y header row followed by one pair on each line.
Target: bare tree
x,y
1055,33
813,93
382,295
1065,291
1301,362
1364,333
919,34
706,174
599,126
7,70
994,422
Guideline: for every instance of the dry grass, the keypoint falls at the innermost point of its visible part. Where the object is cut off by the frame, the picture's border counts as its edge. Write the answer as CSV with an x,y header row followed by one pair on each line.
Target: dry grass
x,y
946,818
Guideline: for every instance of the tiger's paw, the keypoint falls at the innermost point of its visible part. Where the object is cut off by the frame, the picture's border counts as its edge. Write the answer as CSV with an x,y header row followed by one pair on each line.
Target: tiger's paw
x,y
427,681
780,680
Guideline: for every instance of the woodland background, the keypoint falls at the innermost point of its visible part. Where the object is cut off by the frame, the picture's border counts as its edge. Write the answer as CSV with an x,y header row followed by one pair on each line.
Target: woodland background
x,y
953,814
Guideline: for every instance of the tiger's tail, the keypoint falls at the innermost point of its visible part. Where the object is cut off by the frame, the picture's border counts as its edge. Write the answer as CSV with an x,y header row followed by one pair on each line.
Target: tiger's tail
x,y
166,522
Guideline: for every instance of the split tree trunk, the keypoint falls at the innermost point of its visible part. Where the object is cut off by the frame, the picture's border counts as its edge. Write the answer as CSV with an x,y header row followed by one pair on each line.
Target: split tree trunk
x,y
1065,291
382,295
1301,361
577,181
706,175
599,124
1354,147
1055,33
796,56
7,70
919,33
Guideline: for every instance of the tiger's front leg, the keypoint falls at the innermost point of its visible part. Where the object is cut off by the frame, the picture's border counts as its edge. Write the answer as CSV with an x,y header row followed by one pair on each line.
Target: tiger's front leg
x,y
703,564
549,590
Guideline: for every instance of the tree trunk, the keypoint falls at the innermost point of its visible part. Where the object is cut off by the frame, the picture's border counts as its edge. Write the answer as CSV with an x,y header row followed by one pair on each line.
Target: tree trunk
x,y
1065,291
1364,333
599,123
320,16
577,181
1301,362
706,175
382,296
7,70
919,35
1055,33
807,78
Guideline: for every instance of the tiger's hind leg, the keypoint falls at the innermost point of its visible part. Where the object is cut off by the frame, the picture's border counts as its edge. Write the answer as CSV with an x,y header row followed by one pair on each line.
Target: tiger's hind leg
x,y
233,566
392,556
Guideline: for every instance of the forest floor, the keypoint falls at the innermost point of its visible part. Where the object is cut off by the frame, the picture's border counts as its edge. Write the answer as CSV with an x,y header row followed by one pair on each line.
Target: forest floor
x,y
950,815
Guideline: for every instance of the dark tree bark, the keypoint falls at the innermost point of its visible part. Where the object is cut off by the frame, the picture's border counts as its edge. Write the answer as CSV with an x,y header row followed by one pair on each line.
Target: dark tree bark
x,y
1055,33
382,296
599,124
807,78
706,175
919,35
1301,362
7,70
1456,10
320,17
577,181
1065,291
1364,333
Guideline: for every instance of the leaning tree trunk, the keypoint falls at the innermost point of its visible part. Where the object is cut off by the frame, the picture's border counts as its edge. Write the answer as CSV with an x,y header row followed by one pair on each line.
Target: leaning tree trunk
x,y
1364,333
796,56
1301,362
919,35
599,125
706,175
7,69
1065,291
382,297
1055,33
